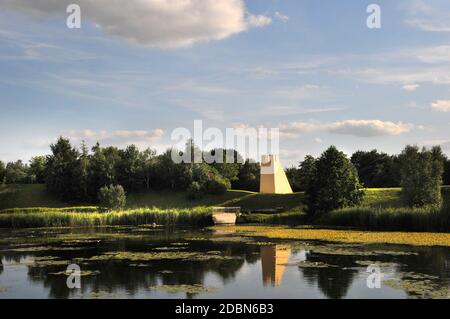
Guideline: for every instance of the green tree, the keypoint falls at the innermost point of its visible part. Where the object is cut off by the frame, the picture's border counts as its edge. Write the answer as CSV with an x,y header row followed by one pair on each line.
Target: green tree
x,y
306,172
248,177
16,173
421,173
228,167
130,168
2,172
335,183
375,169
103,167
112,197
62,170
147,166
37,169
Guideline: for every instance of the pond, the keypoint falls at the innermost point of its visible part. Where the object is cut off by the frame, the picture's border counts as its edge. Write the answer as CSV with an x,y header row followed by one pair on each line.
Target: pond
x,y
147,262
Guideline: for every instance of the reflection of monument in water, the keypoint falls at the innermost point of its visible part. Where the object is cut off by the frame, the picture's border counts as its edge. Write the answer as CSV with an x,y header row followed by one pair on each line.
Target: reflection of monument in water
x,y
273,179
273,261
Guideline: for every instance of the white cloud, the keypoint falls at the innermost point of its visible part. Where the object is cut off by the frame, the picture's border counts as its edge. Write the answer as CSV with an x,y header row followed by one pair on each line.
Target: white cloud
x,y
433,17
258,21
155,23
280,16
359,128
141,138
410,87
369,128
441,105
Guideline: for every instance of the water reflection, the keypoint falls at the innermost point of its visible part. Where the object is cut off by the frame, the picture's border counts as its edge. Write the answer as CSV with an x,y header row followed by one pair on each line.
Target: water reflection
x,y
237,267
273,263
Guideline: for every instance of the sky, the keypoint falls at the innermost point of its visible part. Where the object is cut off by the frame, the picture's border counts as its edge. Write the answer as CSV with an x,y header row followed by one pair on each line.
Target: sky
x,y
138,69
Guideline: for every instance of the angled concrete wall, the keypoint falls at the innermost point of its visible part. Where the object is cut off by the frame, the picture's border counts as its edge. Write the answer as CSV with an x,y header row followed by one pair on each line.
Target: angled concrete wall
x,y
273,179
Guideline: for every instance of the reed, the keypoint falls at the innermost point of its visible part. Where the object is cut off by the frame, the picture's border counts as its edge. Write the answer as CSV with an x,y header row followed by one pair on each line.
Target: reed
x,y
86,217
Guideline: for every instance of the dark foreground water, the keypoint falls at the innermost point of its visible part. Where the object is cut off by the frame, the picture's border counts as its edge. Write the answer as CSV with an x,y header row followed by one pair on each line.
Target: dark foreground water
x,y
142,262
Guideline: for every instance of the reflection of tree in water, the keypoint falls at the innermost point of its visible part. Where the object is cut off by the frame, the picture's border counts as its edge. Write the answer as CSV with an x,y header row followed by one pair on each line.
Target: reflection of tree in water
x,y
121,275
334,282
1,264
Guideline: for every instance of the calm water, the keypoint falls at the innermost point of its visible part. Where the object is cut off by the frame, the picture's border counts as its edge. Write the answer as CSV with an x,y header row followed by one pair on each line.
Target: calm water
x,y
143,262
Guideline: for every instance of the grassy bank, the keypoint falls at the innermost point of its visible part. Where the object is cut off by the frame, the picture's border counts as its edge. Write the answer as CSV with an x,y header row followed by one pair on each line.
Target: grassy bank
x,y
89,217
382,209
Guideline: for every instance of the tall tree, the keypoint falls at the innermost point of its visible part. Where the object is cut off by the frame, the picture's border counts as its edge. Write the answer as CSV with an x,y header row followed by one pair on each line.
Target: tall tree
x,y
62,169
375,169
335,183
421,172
16,173
2,172
37,168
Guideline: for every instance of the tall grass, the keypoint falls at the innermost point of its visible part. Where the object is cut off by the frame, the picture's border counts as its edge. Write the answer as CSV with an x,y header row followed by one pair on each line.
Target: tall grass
x,y
407,219
66,217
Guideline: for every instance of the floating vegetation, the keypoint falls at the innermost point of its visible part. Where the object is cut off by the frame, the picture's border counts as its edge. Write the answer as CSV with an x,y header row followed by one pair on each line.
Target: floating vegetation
x,y
378,263
419,285
355,251
166,272
344,236
314,264
82,273
101,294
169,248
163,255
189,289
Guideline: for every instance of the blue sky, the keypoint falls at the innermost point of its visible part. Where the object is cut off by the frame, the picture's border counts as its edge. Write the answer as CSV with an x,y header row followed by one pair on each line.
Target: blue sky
x,y
311,68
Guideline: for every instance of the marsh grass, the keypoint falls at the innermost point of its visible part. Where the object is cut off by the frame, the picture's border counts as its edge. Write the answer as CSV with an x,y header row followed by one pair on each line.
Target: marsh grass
x,y
409,219
88,217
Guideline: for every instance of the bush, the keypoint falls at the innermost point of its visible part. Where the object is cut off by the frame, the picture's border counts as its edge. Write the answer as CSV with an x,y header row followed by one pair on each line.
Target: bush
x,y
194,191
112,197
216,185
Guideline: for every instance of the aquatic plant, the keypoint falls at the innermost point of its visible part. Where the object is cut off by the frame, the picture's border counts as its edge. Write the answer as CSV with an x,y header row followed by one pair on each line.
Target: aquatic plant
x,y
63,217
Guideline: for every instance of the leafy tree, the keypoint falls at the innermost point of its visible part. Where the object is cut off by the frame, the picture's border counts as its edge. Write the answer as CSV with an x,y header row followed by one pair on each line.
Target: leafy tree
x,y
248,177
293,178
306,172
147,166
103,166
195,191
335,183
112,197
229,168
62,170
446,176
16,173
421,172
2,172
82,173
375,169
37,168
130,168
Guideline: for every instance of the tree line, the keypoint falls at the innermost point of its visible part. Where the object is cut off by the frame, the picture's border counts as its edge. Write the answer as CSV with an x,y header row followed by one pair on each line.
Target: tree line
x,y
77,174
375,169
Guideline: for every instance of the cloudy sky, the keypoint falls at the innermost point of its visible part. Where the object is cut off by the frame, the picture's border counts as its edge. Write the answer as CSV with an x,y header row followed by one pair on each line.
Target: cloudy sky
x,y
138,69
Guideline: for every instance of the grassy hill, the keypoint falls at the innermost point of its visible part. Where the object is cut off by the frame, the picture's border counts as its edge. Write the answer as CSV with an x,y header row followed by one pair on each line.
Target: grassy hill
x,y
22,196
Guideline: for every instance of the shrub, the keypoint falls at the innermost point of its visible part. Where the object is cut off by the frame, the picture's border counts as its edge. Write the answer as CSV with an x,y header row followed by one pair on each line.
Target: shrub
x,y
216,184
112,197
194,191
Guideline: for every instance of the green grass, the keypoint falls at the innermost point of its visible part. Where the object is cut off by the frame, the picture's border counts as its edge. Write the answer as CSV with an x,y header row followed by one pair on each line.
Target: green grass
x,y
35,196
382,209
20,196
